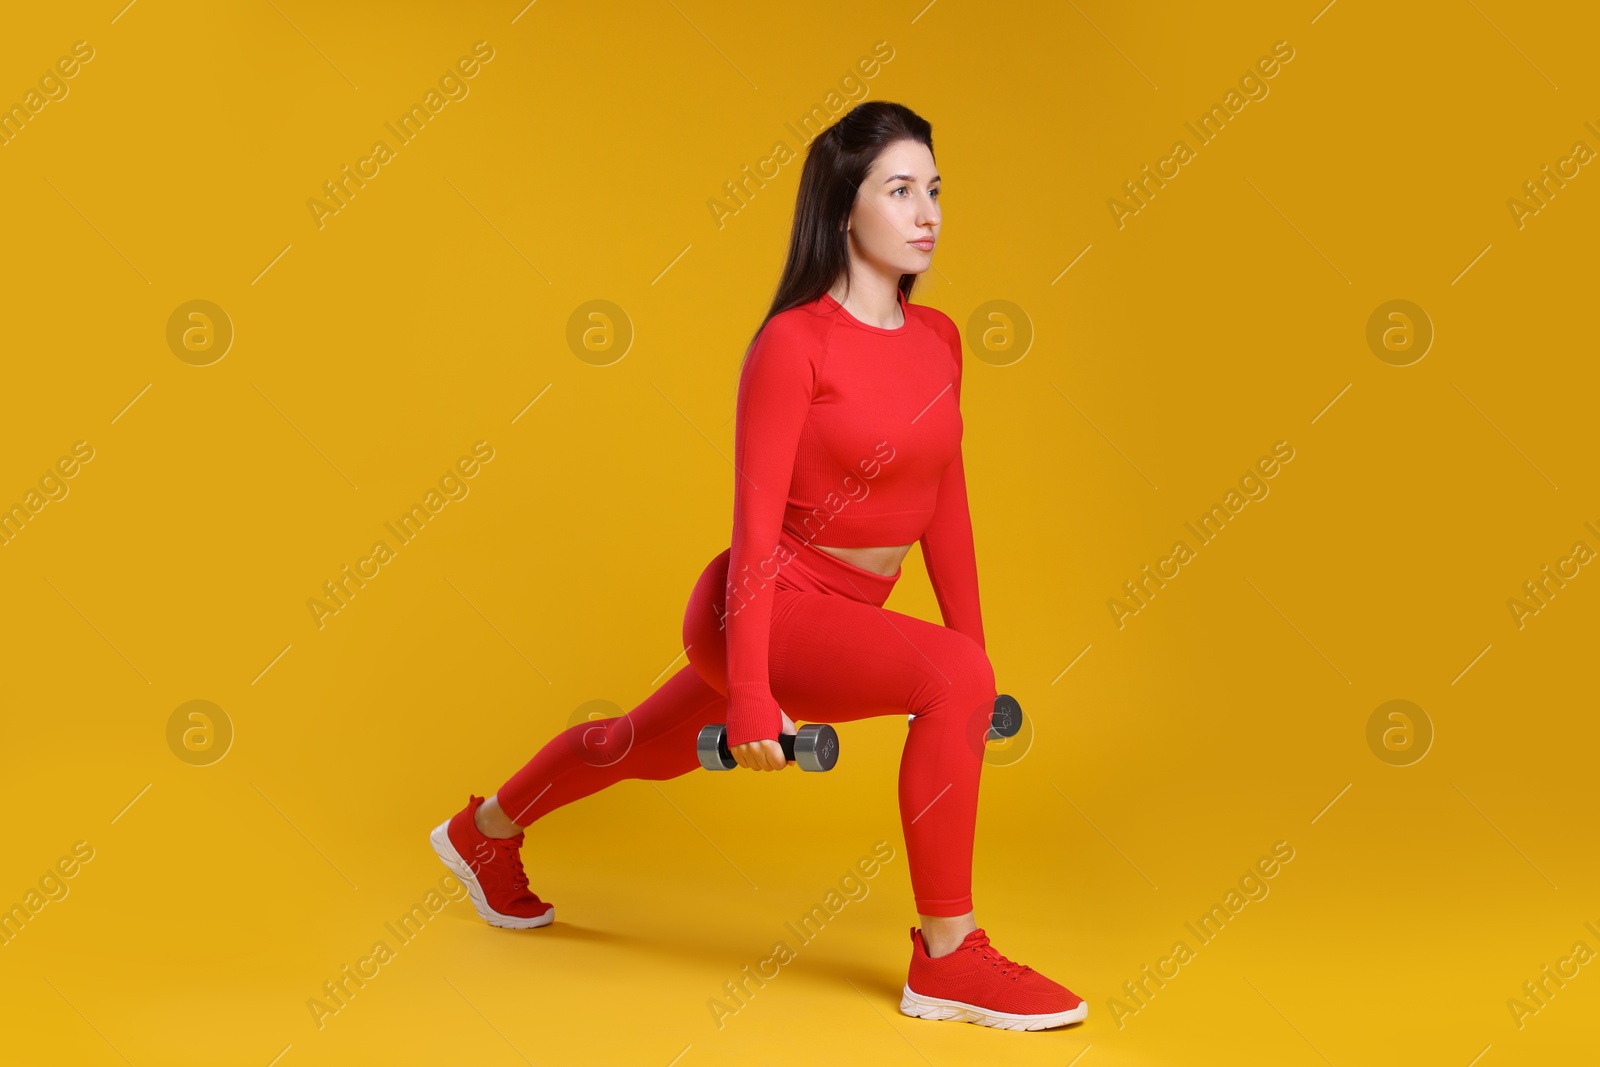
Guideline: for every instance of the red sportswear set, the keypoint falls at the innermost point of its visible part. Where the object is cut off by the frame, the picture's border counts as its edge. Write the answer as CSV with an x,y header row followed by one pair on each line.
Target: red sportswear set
x,y
847,435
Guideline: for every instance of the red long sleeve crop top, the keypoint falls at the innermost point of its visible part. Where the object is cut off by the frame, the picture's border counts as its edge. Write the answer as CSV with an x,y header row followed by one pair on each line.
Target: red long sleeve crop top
x,y
846,434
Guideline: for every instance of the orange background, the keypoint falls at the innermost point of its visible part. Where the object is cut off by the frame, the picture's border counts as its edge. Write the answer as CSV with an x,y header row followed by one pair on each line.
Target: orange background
x,y
1120,380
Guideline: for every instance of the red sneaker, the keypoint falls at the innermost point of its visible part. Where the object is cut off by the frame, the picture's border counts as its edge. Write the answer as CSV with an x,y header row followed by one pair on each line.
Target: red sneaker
x,y
976,984
494,878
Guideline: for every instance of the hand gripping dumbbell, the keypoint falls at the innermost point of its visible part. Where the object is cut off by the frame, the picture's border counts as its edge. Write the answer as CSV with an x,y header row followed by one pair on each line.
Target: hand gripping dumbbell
x,y
815,747
1005,720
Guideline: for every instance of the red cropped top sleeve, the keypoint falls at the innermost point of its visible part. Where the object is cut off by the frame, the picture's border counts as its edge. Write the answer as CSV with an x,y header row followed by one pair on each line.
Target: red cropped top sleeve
x,y
846,435
775,389
947,550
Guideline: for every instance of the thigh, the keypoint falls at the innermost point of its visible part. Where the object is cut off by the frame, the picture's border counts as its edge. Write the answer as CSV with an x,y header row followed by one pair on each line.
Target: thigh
x,y
834,659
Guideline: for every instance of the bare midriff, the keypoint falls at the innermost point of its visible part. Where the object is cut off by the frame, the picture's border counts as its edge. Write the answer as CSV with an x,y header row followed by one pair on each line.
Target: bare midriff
x,y
884,561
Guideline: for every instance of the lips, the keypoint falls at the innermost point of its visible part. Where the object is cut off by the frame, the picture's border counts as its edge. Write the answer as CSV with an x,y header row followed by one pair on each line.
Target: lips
x,y
926,244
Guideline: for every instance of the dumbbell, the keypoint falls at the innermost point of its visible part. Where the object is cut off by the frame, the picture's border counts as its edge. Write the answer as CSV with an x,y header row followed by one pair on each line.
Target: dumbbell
x,y
815,747
1005,720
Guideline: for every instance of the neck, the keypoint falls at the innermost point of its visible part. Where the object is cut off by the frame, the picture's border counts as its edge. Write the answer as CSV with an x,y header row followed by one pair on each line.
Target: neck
x,y
874,300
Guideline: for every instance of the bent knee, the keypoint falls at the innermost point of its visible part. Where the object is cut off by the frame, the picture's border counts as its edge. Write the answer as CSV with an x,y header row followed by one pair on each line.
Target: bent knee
x,y
964,679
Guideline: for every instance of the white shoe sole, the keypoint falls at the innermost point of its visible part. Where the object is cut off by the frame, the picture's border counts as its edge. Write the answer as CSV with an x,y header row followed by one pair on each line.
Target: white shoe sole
x,y
920,1007
440,839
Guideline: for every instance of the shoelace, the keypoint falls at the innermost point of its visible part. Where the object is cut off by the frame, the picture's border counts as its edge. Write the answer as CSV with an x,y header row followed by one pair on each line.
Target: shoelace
x,y
519,877
504,848
981,945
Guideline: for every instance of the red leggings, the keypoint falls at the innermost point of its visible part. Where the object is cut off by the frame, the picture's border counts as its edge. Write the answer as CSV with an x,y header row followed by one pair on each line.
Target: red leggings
x,y
835,655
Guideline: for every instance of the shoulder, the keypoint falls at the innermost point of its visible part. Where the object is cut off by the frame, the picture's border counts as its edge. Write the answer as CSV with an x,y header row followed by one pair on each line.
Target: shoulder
x,y
798,325
791,342
941,324
796,331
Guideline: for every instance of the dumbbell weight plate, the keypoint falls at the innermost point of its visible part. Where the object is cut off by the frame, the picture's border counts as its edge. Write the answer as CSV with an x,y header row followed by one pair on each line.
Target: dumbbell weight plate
x,y
1007,718
712,747
815,747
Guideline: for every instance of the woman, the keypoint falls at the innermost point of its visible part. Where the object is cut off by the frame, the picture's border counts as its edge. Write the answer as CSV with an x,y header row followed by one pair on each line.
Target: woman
x,y
847,451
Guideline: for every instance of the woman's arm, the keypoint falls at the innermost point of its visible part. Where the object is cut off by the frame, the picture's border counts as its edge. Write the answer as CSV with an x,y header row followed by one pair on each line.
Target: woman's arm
x,y
947,549
775,390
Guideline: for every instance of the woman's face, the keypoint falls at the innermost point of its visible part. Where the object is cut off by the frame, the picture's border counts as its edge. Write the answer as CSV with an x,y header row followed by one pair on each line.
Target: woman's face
x,y
897,204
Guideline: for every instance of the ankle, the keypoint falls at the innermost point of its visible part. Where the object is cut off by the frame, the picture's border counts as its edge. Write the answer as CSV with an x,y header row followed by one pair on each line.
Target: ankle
x,y
492,822
943,934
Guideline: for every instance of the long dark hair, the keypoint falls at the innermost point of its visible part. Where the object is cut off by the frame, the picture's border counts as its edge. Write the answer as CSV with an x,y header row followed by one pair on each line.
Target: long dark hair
x,y
836,164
